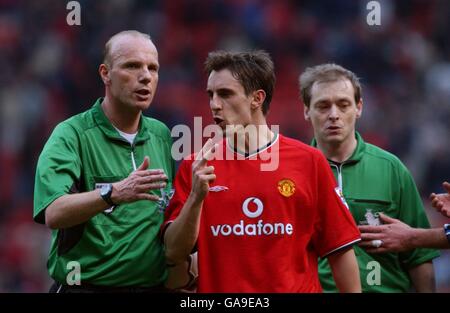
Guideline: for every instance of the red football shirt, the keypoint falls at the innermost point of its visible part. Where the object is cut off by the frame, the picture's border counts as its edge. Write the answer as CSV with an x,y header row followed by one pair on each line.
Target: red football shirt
x,y
262,231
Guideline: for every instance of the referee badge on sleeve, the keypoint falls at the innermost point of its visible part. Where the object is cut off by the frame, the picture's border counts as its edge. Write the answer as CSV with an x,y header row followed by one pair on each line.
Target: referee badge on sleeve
x,y
341,196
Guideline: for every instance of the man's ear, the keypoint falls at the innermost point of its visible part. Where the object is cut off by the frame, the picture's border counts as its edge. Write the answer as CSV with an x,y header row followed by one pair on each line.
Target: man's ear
x,y
306,113
103,70
258,99
359,108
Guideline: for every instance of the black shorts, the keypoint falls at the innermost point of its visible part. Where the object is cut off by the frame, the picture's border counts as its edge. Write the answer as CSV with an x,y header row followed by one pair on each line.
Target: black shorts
x,y
88,288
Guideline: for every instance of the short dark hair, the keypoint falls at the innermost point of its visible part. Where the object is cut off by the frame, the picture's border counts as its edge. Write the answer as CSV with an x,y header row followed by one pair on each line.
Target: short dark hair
x,y
323,73
254,70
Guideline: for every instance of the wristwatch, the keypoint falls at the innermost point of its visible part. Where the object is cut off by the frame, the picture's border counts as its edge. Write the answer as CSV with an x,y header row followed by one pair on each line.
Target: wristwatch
x,y
447,231
106,192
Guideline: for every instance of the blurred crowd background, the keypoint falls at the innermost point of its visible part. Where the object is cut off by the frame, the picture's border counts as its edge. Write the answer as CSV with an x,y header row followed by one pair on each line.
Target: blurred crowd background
x,y
49,72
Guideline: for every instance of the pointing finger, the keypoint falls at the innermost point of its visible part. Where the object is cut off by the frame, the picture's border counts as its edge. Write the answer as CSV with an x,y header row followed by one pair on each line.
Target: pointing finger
x,y
204,149
208,155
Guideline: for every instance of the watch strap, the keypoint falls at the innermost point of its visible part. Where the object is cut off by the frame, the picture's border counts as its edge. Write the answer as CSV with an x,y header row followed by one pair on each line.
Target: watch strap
x,y
447,231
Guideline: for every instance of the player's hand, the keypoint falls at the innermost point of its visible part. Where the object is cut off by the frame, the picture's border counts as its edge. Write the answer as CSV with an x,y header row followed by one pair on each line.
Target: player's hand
x,y
394,235
441,201
138,184
202,174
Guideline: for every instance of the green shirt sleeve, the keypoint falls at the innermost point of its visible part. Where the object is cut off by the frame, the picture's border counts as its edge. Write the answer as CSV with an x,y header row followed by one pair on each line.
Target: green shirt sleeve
x,y
411,212
58,169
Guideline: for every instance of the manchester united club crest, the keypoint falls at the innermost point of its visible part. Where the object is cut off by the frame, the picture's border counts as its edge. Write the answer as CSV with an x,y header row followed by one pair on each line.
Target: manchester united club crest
x,y
286,187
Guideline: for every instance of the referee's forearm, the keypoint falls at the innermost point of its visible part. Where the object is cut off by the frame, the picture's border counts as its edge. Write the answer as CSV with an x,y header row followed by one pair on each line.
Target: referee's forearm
x,y
74,209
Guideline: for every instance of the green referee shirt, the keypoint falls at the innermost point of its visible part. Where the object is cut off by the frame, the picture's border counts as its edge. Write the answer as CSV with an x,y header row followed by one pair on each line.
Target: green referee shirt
x,y
120,246
373,180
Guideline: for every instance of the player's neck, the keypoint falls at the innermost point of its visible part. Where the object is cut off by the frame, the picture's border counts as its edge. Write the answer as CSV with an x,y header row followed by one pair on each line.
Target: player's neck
x,y
121,117
338,152
251,138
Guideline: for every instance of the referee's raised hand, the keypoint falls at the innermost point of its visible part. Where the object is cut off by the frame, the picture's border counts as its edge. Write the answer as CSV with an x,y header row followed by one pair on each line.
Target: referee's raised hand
x,y
138,184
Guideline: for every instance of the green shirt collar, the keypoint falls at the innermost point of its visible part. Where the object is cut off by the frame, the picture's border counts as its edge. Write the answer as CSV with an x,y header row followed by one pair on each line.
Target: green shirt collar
x,y
109,130
359,151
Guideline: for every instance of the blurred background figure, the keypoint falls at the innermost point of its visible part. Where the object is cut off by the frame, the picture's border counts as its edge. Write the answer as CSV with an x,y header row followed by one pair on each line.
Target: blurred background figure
x,y
49,72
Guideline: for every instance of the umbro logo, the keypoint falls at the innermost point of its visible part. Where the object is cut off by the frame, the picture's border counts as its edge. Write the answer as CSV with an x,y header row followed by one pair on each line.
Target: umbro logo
x,y
218,188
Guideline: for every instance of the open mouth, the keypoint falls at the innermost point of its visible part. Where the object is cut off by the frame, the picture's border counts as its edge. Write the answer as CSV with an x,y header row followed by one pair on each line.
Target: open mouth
x,y
218,120
143,92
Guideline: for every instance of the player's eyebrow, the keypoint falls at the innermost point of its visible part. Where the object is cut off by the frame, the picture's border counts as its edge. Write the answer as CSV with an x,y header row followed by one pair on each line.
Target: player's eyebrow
x,y
225,91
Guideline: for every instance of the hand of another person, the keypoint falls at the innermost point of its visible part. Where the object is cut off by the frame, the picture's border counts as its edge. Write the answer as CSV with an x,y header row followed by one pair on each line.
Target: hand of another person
x,y
392,236
441,201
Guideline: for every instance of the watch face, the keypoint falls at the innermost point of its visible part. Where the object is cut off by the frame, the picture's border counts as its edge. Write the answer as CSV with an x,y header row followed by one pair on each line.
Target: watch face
x,y
105,193
105,189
